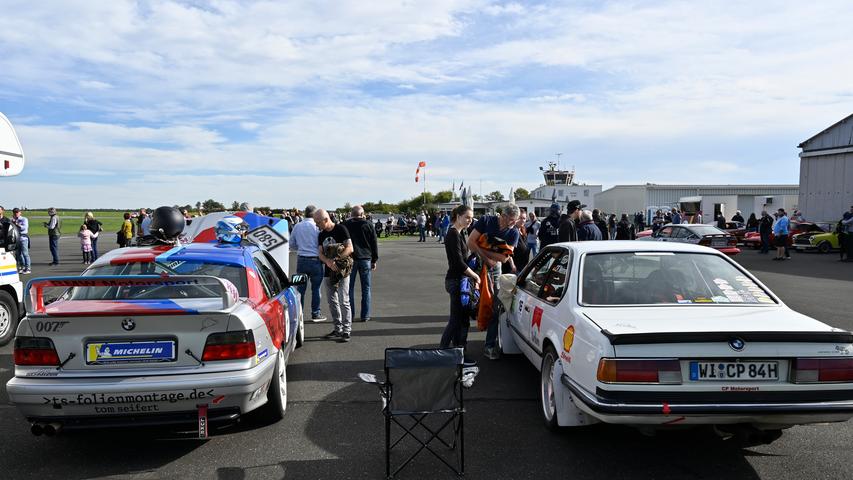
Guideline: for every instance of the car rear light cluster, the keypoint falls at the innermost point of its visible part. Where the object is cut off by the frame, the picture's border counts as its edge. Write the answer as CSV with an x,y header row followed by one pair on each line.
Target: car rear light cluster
x,y
660,371
229,346
816,370
35,351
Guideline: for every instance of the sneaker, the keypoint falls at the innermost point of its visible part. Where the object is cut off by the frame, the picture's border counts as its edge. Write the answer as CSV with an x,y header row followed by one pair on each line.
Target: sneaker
x,y
491,353
344,337
318,318
333,334
27,272
365,319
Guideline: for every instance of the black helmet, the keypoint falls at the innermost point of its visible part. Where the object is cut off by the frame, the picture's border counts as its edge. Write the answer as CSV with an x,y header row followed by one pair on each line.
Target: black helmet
x,y
167,223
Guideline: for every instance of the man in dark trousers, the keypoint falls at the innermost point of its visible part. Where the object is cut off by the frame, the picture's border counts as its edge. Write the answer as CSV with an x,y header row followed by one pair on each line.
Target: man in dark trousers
x,y
365,255
549,229
568,227
765,226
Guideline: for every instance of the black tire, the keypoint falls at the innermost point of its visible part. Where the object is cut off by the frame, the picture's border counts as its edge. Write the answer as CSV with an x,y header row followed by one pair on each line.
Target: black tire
x,y
824,247
300,331
546,389
276,405
8,317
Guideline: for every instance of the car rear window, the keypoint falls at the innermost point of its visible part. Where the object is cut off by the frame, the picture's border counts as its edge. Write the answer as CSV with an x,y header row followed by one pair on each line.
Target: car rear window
x,y
643,278
232,273
706,230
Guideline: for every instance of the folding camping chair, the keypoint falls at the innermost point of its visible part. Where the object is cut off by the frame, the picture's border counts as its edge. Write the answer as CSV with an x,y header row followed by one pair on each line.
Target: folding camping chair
x,y
419,383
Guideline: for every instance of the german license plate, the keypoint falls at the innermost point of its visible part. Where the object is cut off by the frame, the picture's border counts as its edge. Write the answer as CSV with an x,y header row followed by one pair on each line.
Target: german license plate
x,y
728,371
719,243
103,353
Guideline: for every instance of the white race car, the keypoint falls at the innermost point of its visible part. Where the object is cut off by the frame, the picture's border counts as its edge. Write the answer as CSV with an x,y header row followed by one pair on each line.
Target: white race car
x,y
655,335
192,334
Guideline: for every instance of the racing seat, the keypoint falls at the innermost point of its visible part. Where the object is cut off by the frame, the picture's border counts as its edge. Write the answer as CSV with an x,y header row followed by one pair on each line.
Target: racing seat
x,y
420,383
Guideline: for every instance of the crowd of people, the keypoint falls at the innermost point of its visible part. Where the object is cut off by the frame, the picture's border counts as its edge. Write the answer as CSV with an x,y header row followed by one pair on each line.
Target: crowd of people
x,y
337,250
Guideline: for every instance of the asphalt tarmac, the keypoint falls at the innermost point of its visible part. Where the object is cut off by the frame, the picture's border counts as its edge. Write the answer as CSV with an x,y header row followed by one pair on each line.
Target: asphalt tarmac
x,y
334,429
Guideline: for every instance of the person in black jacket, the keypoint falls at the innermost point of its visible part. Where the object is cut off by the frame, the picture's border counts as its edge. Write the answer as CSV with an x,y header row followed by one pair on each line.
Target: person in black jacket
x,y
765,227
549,228
9,234
365,255
568,226
625,229
456,249
95,227
601,222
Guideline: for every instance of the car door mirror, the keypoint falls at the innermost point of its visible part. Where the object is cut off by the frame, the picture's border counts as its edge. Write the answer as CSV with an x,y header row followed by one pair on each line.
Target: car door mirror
x,y
298,280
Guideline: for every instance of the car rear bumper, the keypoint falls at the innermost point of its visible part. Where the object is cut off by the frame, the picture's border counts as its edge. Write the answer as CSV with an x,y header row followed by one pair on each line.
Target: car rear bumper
x,y
729,250
129,399
618,410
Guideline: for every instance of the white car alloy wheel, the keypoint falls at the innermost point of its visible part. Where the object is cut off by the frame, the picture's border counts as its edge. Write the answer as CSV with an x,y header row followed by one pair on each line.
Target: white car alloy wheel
x,y
5,320
549,406
282,380
276,405
8,317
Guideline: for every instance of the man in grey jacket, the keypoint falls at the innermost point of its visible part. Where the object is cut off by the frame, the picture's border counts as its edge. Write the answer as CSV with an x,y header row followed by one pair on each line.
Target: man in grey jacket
x,y
54,231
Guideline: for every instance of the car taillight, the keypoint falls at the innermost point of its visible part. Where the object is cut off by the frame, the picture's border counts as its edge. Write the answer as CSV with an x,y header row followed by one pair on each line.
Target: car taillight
x,y
705,241
662,371
815,370
229,346
732,241
35,351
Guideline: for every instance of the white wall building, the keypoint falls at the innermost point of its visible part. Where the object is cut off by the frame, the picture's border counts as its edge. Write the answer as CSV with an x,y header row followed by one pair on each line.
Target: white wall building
x,y
826,172
710,199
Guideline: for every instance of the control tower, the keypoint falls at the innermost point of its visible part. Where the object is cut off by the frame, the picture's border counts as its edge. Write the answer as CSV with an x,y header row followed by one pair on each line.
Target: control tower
x,y
557,177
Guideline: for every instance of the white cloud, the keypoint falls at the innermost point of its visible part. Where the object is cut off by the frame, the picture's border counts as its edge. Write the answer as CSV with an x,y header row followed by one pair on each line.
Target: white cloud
x,y
476,88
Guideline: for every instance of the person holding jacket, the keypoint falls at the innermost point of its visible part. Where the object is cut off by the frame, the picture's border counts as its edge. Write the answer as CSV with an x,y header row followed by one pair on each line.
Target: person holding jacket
x,y
456,248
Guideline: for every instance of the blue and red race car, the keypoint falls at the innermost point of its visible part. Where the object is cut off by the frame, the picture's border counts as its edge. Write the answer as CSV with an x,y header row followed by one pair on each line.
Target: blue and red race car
x,y
195,333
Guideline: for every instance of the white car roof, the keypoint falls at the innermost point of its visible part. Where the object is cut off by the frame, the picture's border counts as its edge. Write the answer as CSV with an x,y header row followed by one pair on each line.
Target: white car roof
x,y
633,246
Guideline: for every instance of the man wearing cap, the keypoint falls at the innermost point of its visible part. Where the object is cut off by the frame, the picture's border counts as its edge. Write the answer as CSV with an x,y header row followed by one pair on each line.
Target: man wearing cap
x,y
54,231
568,226
24,245
549,229
738,217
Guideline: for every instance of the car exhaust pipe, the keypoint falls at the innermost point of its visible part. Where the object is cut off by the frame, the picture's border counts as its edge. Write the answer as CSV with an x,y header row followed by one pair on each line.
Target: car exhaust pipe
x,y
52,428
37,429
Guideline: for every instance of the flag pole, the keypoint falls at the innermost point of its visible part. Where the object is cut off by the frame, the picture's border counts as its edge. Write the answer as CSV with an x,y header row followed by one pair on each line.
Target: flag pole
x,y
425,180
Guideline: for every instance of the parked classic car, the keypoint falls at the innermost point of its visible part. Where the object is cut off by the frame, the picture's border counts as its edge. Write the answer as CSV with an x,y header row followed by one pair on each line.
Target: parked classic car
x,y
823,242
656,335
697,234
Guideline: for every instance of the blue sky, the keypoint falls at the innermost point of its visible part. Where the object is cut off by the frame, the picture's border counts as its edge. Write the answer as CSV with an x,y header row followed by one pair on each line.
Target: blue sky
x,y
286,103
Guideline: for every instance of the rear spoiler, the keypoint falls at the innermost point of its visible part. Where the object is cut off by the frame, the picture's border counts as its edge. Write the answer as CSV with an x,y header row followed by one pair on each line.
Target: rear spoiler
x,y
708,337
34,297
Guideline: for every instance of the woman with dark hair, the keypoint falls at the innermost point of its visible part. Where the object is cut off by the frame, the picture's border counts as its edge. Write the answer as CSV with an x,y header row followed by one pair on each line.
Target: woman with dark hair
x,y
752,223
456,248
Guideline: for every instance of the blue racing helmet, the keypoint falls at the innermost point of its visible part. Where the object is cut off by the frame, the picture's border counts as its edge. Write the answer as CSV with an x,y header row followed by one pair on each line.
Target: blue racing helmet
x,y
231,229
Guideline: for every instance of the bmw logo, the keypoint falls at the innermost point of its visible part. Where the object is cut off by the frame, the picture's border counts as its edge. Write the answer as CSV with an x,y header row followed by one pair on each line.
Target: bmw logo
x,y
128,324
737,344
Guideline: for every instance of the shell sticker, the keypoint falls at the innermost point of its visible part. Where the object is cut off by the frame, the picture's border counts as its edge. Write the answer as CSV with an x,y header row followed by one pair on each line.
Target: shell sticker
x,y
569,338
